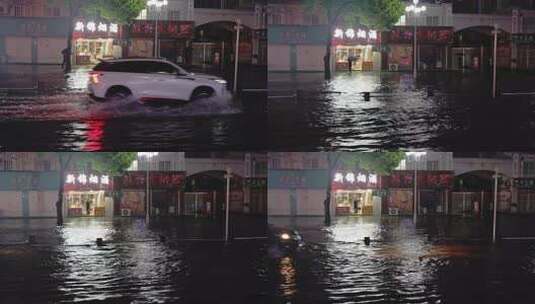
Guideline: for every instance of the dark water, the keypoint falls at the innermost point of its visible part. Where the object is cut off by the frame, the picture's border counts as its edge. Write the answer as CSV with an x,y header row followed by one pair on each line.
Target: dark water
x,y
441,261
441,111
60,116
134,267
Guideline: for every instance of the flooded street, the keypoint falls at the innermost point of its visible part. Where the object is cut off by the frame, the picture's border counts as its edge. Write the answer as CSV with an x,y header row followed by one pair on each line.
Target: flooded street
x,y
441,261
136,265
60,116
441,111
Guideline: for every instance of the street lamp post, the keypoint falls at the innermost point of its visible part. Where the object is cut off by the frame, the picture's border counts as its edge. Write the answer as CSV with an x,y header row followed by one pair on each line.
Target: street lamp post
x,y
228,176
147,156
416,10
415,198
157,4
237,56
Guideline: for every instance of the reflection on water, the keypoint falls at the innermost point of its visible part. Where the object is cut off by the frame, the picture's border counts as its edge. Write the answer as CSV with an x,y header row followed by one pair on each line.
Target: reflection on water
x,y
441,110
401,265
134,266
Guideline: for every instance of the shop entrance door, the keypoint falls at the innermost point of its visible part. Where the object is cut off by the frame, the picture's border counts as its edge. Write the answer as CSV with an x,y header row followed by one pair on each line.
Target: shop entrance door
x,y
198,204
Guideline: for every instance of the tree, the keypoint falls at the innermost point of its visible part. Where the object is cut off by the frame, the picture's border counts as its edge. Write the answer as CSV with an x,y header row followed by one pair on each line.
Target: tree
x,y
118,11
112,163
381,163
376,14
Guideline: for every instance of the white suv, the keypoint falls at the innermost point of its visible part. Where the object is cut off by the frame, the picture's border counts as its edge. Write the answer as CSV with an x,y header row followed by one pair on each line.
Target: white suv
x,y
151,79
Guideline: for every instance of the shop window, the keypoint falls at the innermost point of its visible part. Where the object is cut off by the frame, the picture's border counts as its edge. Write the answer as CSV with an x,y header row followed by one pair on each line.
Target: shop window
x,y
52,11
18,10
164,165
528,168
275,163
311,19
173,15
432,165
275,19
261,168
432,20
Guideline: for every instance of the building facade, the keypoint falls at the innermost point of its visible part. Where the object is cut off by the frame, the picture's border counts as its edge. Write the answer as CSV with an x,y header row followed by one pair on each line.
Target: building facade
x,y
33,32
452,35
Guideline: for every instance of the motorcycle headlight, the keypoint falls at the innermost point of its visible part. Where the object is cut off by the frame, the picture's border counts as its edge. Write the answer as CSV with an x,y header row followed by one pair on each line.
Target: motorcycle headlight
x,y
285,236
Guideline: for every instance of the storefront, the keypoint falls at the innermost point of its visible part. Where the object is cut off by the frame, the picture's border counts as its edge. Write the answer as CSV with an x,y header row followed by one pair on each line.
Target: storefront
x,y
433,45
32,40
165,190
205,194
96,40
358,48
473,49
174,38
355,193
296,48
525,46
525,191
297,192
256,195
433,192
88,195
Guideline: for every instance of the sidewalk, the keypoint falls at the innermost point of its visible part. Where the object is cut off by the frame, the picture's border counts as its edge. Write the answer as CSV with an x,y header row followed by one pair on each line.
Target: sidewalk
x,y
45,78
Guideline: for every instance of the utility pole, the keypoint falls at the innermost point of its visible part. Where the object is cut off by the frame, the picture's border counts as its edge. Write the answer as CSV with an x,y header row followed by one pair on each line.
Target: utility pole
x,y
495,206
237,56
494,68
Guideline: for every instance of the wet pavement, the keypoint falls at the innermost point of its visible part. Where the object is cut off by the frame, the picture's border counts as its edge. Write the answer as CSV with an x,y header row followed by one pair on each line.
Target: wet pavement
x,y
441,111
441,260
60,116
135,265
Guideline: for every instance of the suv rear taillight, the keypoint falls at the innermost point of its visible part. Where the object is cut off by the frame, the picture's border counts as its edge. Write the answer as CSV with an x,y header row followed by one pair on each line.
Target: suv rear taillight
x,y
94,77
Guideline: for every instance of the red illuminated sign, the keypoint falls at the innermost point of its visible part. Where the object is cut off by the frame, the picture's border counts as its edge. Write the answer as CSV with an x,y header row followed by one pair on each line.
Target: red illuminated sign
x,y
137,180
166,29
426,179
426,35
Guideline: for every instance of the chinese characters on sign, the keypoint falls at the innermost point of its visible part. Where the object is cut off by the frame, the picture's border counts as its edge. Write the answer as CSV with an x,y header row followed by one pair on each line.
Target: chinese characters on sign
x,y
428,35
523,38
92,26
343,180
255,182
137,180
350,34
84,179
524,183
426,180
170,29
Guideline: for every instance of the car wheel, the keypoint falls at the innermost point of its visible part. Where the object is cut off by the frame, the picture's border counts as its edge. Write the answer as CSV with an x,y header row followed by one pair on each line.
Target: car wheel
x,y
118,93
203,92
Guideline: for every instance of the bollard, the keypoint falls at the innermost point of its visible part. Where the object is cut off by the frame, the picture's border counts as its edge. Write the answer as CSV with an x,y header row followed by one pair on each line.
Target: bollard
x,y
366,96
367,240
100,242
31,239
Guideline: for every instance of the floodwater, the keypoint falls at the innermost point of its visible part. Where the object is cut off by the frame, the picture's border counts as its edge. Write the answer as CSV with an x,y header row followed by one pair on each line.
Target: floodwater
x,y
441,260
60,116
135,265
440,111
